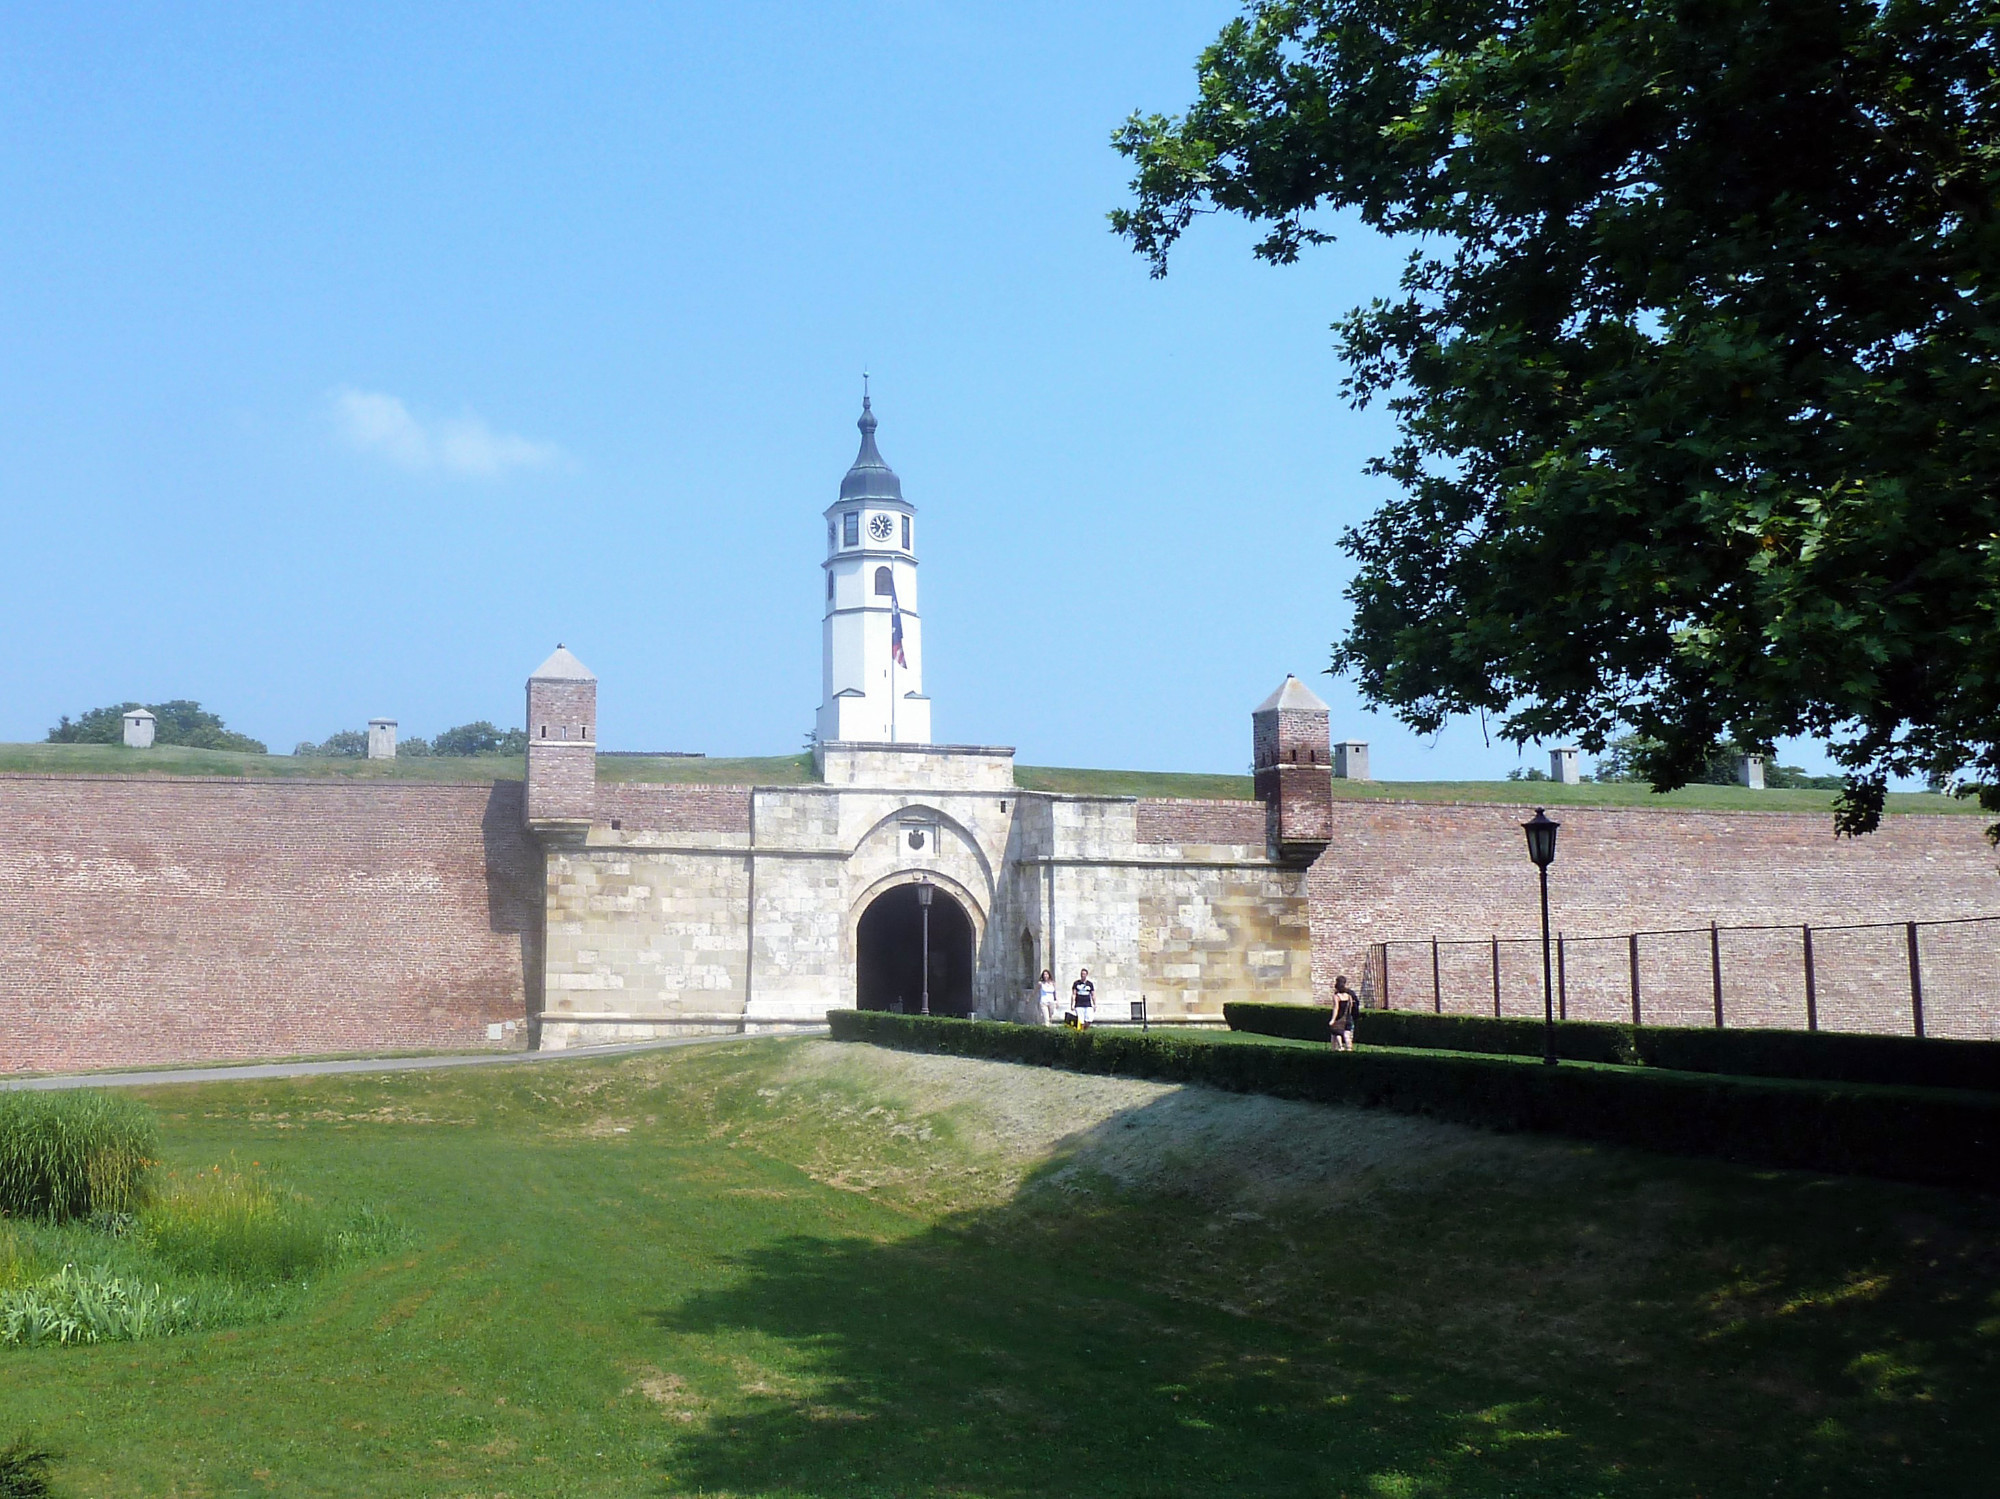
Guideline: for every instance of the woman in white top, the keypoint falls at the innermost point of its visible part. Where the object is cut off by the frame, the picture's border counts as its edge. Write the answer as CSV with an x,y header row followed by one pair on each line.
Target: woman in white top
x,y
1045,993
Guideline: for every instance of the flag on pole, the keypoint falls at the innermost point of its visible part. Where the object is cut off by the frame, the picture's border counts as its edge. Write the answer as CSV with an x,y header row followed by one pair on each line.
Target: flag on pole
x,y
896,627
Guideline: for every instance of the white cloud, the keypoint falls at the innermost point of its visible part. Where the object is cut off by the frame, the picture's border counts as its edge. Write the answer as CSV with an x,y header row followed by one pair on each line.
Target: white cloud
x,y
464,447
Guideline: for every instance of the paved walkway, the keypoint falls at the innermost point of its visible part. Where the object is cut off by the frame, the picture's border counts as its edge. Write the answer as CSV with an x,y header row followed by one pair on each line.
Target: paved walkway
x,y
361,1064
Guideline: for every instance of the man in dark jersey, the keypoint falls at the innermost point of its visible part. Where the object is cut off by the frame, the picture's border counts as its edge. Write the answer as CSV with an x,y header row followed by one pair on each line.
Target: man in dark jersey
x,y
1083,999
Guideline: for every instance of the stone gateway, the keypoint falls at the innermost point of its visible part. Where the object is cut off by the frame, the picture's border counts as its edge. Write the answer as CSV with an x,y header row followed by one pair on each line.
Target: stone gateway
x,y
789,901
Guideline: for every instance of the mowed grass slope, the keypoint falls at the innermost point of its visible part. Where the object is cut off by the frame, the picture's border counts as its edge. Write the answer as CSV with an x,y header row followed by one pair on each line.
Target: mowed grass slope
x,y
797,770
797,1268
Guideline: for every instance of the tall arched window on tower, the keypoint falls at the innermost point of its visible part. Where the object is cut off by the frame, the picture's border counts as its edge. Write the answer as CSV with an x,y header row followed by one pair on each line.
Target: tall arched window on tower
x,y
906,533
884,585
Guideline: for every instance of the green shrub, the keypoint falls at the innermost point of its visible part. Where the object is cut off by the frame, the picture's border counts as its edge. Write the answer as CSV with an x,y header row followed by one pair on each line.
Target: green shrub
x,y
72,1153
1827,1056
1576,1040
89,1306
235,1224
1909,1134
24,1470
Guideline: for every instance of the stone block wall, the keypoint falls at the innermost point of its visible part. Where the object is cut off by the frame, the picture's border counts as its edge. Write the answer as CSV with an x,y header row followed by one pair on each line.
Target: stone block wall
x,y
939,767
643,935
174,919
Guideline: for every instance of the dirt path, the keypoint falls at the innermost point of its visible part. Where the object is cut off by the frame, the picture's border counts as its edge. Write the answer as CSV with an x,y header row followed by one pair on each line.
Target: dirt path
x,y
253,1070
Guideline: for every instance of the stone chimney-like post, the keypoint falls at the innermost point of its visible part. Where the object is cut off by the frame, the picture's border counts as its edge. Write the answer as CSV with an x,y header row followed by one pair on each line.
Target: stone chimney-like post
x,y
562,744
139,729
1290,755
381,738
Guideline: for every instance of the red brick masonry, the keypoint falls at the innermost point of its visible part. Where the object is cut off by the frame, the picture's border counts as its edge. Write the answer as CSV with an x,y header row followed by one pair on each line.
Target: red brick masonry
x,y
1174,820
172,919
1410,870
175,919
675,809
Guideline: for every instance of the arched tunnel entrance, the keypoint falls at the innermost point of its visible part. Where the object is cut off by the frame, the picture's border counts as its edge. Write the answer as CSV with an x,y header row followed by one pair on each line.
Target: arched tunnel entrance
x,y
889,964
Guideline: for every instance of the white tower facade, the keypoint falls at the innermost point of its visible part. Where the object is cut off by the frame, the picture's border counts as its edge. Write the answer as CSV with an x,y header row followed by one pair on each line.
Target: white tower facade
x,y
872,673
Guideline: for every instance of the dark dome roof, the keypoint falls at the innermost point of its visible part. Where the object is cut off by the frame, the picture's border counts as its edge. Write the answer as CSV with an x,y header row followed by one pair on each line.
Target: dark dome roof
x,y
870,478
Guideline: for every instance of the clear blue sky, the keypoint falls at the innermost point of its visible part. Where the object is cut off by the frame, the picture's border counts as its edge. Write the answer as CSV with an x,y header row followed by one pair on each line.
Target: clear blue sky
x,y
355,355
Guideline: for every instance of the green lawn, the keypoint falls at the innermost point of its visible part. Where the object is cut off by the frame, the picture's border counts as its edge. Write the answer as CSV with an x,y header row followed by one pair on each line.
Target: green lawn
x,y
175,760
796,1268
794,770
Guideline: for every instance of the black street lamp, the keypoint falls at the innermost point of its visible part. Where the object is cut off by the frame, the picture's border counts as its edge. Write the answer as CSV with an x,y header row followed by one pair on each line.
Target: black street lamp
x,y
1541,831
924,894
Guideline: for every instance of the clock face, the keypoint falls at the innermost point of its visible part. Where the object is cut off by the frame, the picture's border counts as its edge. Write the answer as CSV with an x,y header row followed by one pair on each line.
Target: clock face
x,y
880,527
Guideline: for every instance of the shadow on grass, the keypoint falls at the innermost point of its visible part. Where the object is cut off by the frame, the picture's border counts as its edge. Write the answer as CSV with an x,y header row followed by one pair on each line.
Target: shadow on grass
x,y
1468,1337
1051,1345
959,1362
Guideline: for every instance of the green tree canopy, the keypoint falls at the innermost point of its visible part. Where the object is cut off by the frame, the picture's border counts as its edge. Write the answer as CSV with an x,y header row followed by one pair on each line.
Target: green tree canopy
x,y
1693,363
177,722
477,738
346,744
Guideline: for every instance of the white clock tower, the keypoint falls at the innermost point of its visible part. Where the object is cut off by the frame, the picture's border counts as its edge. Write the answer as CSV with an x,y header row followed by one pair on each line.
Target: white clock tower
x,y
872,679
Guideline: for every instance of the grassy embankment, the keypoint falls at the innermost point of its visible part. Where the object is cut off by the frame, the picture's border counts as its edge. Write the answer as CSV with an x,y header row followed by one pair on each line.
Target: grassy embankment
x,y
794,770
795,1268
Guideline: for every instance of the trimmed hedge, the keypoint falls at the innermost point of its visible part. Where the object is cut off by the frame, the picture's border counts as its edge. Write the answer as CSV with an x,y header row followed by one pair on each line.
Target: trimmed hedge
x,y
1946,1139
1824,1056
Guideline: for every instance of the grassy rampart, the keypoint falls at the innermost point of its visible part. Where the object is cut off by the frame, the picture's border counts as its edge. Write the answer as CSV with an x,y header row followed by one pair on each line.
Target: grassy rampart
x,y
795,770
1906,1134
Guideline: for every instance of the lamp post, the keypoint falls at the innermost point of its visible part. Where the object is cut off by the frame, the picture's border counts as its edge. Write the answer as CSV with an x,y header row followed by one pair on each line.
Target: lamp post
x,y
924,894
1541,831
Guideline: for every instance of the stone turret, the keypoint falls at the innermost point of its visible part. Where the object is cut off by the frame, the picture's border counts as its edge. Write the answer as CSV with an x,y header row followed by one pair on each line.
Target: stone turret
x,y
562,743
1292,740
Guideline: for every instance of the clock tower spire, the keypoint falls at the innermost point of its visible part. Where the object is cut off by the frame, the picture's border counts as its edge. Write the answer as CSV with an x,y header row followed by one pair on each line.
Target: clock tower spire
x,y
872,640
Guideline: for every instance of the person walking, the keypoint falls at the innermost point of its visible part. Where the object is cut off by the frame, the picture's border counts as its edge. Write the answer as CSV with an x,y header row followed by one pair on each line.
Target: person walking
x,y
1045,996
1083,999
1345,1002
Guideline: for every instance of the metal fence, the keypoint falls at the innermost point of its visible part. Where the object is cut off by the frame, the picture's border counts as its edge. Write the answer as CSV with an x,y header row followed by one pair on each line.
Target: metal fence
x,y
1924,978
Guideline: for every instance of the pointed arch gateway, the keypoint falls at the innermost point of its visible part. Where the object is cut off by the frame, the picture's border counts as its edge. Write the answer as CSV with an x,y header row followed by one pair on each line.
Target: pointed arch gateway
x,y
889,952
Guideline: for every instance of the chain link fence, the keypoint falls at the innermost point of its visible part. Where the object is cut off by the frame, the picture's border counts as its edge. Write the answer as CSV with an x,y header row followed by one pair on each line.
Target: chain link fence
x,y
1924,978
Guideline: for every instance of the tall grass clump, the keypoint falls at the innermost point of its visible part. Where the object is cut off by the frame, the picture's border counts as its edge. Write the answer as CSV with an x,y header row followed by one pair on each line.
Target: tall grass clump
x,y
72,1154
236,1225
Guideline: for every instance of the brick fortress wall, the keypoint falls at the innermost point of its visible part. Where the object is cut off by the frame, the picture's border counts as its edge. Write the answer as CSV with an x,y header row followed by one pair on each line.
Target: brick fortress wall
x,y
166,920
1404,871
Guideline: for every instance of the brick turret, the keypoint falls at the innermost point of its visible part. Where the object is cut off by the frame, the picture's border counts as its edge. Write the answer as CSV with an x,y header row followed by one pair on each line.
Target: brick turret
x,y
562,742
1293,746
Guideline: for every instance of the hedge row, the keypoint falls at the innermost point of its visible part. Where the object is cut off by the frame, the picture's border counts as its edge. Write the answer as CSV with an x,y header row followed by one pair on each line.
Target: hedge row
x,y
1946,1139
1825,1056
